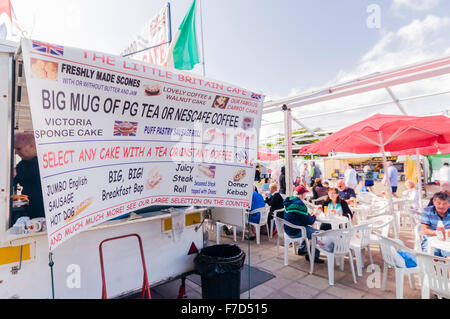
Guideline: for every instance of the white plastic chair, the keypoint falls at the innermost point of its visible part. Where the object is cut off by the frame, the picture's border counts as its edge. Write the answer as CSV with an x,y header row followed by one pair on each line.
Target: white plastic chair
x,y
311,207
264,211
281,234
360,241
435,274
418,237
315,201
389,261
380,225
275,212
341,240
219,226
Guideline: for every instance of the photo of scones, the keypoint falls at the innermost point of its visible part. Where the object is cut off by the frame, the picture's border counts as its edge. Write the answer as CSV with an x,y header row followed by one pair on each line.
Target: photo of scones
x,y
41,69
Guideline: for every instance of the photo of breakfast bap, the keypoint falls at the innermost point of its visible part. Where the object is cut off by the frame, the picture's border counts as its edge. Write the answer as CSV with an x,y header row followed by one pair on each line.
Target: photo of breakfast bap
x,y
239,175
41,69
152,89
153,178
207,170
220,102
125,128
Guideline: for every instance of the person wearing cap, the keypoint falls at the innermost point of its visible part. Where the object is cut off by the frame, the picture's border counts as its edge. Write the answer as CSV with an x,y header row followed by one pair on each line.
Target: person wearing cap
x,y
335,202
295,212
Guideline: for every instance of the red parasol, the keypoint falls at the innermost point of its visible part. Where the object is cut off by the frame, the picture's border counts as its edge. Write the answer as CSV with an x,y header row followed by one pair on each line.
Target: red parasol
x,y
430,150
266,155
381,133
391,132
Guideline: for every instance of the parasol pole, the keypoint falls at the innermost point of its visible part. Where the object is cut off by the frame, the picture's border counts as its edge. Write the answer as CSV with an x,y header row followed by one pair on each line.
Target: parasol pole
x,y
288,169
419,177
391,200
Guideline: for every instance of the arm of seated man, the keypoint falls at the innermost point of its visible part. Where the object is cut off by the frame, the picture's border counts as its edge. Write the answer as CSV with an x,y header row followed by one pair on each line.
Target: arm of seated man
x,y
426,230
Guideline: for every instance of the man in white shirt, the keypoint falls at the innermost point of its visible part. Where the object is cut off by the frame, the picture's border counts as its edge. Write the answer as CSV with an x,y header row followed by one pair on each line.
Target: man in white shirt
x,y
444,174
350,177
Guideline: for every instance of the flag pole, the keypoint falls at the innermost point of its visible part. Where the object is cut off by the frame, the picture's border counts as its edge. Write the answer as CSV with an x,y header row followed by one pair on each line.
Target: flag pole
x,y
201,35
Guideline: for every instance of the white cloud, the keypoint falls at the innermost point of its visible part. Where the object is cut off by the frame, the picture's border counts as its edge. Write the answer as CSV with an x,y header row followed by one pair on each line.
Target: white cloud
x,y
417,41
416,5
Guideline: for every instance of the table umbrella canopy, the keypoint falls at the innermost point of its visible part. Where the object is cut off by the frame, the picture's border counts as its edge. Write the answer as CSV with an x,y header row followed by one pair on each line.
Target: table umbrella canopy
x,y
430,150
382,132
266,155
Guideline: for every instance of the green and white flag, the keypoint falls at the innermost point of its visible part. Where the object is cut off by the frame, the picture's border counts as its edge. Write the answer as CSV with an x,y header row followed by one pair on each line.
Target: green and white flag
x,y
183,53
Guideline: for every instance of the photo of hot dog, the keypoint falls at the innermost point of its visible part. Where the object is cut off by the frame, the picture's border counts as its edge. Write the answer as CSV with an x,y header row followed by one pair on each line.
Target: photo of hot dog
x,y
83,205
239,175
207,170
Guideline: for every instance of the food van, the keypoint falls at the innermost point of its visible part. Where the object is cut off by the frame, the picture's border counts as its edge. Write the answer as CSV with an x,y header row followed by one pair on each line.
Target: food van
x,y
153,224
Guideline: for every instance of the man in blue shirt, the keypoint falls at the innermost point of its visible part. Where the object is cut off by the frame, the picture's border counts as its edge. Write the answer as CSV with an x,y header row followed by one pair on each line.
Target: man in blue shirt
x,y
393,177
346,193
440,211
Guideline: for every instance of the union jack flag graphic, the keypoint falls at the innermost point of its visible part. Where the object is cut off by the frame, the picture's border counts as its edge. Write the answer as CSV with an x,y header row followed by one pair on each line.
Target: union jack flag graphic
x,y
124,128
256,96
48,48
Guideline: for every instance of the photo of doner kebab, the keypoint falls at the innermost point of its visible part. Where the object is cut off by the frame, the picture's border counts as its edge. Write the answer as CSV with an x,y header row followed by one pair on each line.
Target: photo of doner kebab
x,y
239,175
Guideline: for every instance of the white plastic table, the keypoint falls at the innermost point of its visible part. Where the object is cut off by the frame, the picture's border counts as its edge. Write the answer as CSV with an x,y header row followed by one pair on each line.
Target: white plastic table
x,y
334,221
435,243
361,211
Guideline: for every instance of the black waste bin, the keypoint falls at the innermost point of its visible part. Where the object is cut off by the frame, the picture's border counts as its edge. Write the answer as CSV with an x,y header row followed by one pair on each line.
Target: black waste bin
x,y
220,269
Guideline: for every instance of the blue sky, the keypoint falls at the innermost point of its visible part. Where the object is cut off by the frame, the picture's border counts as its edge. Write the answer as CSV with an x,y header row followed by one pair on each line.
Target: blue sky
x,y
277,47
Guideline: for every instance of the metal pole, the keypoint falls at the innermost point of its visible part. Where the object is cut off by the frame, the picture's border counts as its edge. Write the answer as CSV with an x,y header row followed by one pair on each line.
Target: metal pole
x,y
386,175
288,149
419,177
396,101
201,35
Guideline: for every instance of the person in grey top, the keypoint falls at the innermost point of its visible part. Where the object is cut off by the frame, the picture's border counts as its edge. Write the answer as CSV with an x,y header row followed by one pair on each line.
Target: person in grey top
x,y
315,173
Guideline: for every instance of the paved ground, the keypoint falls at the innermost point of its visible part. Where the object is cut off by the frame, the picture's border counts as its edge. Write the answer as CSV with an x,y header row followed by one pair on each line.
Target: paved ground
x,y
295,282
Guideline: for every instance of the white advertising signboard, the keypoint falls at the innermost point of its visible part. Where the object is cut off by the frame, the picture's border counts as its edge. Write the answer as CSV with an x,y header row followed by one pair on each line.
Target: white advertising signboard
x,y
154,35
115,135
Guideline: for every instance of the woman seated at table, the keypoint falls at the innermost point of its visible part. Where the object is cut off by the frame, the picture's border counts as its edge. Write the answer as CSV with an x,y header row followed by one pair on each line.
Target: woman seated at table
x,y
335,202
